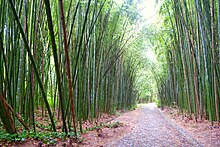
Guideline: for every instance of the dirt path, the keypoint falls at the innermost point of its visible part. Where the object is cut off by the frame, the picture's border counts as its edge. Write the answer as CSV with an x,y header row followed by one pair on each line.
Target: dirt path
x,y
145,126
153,129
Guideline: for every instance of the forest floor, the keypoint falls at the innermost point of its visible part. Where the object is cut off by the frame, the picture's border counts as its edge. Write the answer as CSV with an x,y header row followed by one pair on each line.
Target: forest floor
x,y
156,127
153,129
145,126
202,131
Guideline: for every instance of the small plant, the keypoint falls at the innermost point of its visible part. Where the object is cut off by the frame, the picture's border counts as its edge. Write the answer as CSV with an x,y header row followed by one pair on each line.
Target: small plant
x,y
114,125
158,103
43,126
46,137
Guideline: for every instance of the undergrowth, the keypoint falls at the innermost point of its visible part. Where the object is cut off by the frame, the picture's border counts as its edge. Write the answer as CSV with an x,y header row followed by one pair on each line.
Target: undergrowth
x,y
49,137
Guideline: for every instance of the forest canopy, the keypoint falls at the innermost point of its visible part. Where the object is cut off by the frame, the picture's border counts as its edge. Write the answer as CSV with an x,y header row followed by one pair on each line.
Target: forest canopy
x,y
69,60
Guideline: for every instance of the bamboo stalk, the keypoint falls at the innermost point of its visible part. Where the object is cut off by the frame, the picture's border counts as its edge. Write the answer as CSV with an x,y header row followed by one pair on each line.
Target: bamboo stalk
x,y
67,64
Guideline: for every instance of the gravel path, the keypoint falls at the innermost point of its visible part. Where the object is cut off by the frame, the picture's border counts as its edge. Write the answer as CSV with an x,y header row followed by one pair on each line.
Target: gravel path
x,y
153,130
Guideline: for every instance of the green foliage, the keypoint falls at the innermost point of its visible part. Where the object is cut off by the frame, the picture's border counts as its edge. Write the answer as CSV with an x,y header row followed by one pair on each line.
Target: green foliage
x,y
98,38
158,103
114,125
43,126
109,125
187,48
46,137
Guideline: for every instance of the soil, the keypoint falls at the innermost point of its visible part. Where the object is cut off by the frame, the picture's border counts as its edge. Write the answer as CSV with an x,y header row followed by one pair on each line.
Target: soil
x,y
97,138
128,121
145,126
153,129
202,131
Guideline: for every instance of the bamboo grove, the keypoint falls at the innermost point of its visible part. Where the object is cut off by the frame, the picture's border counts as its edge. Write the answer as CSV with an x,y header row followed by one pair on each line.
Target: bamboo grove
x,y
66,58
192,52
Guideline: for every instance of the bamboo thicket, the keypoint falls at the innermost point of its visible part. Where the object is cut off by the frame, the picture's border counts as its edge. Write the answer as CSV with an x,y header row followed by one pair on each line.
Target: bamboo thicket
x,y
192,54
65,58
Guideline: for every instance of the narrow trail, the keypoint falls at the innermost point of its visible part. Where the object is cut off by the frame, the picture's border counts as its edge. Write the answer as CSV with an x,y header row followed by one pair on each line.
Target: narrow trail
x,y
153,130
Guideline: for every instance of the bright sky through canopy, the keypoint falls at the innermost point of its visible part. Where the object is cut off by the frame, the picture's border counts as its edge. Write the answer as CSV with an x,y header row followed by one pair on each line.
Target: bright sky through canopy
x,y
148,10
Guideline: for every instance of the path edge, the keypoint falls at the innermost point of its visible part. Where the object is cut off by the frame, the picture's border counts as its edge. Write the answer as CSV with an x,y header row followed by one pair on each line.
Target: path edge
x,y
182,131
